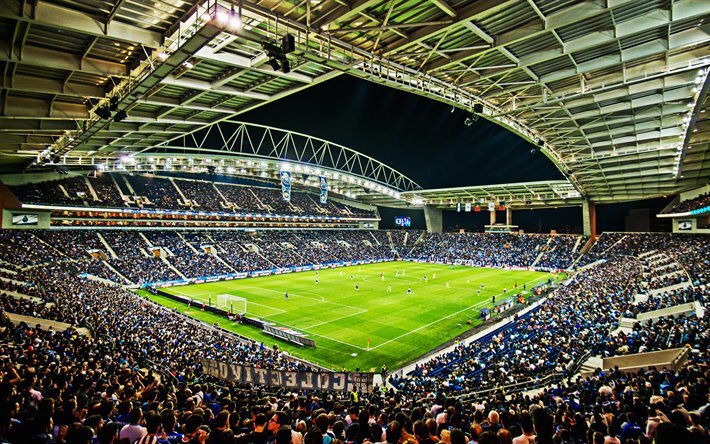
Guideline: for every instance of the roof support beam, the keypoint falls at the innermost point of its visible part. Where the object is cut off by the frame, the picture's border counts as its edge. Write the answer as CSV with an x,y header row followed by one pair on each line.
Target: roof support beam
x,y
207,86
55,16
48,58
342,13
462,16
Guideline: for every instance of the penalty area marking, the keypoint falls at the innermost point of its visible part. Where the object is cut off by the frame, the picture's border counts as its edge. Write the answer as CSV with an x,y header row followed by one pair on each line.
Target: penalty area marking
x,y
337,319
300,295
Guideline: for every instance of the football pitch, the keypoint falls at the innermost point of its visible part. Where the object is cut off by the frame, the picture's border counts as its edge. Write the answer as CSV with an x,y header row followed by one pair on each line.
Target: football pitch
x,y
400,326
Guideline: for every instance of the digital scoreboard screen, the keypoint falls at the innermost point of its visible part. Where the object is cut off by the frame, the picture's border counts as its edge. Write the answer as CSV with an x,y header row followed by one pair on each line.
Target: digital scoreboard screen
x,y
403,221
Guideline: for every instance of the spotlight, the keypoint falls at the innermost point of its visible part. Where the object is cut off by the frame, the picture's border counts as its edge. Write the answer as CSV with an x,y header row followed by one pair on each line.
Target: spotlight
x,y
222,17
188,64
104,112
277,58
288,43
285,65
470,119
113,103
121,115
478,108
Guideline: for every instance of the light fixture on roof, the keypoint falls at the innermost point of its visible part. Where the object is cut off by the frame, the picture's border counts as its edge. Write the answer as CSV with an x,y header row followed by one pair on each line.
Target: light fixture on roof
x,y
222,16
121,115
163,56
103,112
188,64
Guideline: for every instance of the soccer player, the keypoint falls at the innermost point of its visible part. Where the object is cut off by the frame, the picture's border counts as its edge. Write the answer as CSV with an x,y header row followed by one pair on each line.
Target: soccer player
x,y
382,277
316,280
479,292
351,277
409,290
397,273
426,279
357,286
389,289
447,285
494,299
433,276
286,296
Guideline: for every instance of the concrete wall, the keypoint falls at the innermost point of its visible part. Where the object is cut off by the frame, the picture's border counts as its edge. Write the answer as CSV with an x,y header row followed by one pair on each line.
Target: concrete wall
x,y
631,363
434,219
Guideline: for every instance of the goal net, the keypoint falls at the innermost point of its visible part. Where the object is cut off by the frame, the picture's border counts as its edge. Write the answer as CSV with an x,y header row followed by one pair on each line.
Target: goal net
x,y
230,302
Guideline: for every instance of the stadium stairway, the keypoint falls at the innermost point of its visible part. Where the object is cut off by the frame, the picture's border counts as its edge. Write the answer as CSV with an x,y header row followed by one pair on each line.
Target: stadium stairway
x,y
189,245
45,324
576,244
679,286
94,196
542,253
172,267
111,253
16,295
606,252
110,267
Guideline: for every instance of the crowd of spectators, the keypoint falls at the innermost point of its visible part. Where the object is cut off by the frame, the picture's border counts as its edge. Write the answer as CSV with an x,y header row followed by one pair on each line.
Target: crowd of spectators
x,y
69,388
161,192
181,194
71,191
203,195
187,259
497,249
696,203
669,298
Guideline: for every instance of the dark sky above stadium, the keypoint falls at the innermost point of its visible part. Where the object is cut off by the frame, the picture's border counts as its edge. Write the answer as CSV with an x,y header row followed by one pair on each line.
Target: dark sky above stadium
x,y
419,137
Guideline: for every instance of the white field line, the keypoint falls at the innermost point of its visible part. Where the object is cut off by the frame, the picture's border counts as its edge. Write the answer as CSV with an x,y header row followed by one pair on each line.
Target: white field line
x,y
267,306
337,319
300,295
438,320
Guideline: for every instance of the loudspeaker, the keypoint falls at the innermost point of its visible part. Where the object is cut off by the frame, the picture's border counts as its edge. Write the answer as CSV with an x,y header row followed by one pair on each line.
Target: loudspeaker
x,y
274,64
478,108
285,65
288,43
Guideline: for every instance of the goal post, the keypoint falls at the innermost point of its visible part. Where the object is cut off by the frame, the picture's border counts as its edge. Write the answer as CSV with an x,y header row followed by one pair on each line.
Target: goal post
x,y
230,302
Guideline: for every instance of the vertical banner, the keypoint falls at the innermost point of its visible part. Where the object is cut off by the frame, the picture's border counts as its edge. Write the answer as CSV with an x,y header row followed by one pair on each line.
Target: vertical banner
x,y
468,207
491,206
323,190
286,185
458,207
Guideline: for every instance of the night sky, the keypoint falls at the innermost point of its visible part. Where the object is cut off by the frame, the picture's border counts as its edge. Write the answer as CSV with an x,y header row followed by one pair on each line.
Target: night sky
x,y
425,141
417,136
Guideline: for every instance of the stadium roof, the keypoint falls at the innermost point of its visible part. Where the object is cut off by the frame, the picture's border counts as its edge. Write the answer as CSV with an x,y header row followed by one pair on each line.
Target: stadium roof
x,y
515,195
613,91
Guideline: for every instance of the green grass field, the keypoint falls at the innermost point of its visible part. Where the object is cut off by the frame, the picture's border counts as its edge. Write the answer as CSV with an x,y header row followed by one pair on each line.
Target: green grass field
x,y
340,319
